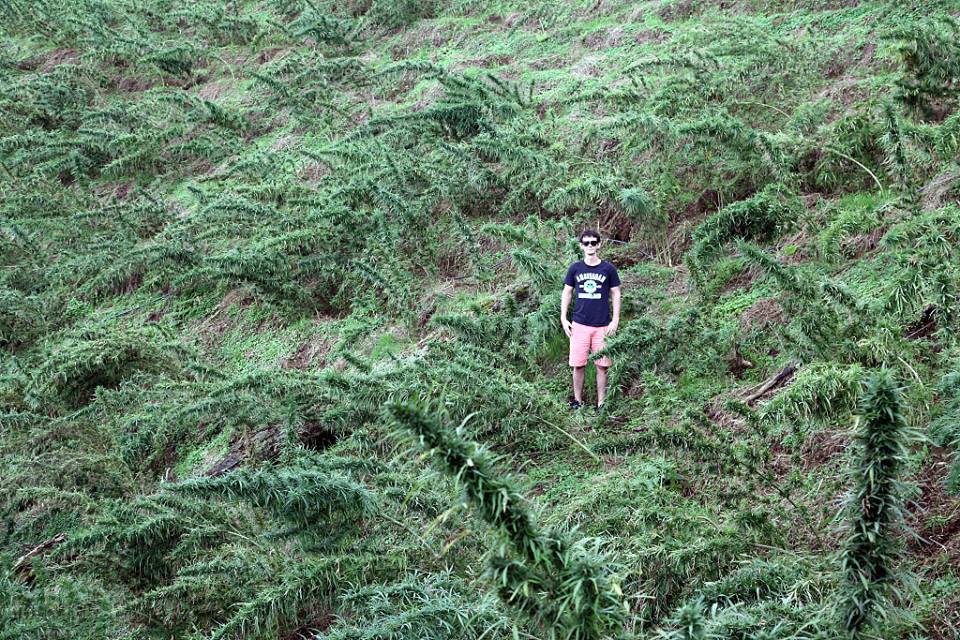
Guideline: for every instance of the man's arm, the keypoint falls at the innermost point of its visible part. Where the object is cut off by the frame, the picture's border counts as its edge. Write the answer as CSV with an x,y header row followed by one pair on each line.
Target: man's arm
x,y
615,298
564,306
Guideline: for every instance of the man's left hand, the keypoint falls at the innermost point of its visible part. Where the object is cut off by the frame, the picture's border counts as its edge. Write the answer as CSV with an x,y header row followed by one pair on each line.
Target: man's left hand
x,y
611,329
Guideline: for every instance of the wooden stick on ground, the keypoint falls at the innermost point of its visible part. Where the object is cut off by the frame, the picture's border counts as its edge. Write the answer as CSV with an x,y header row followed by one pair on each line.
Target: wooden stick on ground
x,y
781,378
22,565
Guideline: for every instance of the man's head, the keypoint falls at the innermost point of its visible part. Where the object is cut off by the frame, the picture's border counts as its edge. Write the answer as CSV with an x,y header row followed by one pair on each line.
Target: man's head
x,y
589,242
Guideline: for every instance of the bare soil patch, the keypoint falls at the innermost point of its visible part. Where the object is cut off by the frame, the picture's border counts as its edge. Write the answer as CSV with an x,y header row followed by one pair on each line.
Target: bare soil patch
x,y
924,326
680,285
131,85
650,36
267,55
936,192
935,514
693,214
796,249
847,60
762,314
58,57
312,172
120,190
588,66
214,89
862,243
604,39
309,355
212,328
823,447
743,280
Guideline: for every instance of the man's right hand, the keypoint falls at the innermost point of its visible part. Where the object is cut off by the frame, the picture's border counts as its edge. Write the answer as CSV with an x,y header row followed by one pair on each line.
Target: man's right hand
x,y
567,328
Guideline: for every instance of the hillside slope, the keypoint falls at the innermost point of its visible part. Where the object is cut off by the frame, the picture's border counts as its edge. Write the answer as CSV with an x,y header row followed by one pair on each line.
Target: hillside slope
x,y
280,351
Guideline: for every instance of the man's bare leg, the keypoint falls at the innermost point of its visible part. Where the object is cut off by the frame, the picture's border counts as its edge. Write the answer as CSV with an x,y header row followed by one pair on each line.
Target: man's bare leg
x,y
601,384
578,383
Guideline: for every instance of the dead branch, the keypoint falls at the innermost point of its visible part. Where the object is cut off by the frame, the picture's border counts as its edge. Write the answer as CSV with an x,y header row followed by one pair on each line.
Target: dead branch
x,y
781,378
22,566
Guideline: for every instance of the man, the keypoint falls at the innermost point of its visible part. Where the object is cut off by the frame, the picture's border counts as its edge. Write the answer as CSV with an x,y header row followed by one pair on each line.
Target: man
x,y
597,284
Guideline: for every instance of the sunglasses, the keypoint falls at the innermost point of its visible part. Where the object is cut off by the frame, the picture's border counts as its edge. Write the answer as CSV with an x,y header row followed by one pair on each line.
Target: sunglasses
x,y
590,243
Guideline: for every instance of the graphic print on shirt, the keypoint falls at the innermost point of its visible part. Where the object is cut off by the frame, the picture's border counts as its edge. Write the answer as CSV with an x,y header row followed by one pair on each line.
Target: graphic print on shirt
x,y
589,283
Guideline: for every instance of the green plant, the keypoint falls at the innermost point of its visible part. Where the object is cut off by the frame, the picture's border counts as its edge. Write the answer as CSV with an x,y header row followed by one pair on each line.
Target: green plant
x,y
565,587
928,50
757,217
945,427
418,607
99,355
317,504
899,164
875,506
690,623
213,212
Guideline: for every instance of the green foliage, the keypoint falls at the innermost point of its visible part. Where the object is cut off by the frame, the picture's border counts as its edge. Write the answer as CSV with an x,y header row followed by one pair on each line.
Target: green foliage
x,y
99,355
921,252
758,217
690,623
828,318
874,506
928,50
20,318
897,161
54,607
315,503
322,28
945,426
836,235
818,390
394,14
418,607
565,587
306,585
691,342
213,213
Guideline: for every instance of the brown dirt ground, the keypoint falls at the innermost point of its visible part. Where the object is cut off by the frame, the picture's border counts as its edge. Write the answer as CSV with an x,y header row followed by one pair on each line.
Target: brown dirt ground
x,y
58,57
214,89
823,447
312,172
603,39
742,280
311,354
862,243
119,190
935,514
935,192
680,285
212,328
131,85
763,313
804,251
317,621
924,326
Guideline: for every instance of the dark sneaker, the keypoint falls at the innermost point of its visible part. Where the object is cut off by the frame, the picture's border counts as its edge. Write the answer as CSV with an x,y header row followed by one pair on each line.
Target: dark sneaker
x,y
575,405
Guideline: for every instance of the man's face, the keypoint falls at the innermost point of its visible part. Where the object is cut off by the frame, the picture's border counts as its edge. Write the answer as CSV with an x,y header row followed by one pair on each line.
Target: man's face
x,y
590,245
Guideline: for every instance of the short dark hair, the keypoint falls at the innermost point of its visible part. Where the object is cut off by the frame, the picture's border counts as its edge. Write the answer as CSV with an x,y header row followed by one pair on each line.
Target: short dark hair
x,y
589,233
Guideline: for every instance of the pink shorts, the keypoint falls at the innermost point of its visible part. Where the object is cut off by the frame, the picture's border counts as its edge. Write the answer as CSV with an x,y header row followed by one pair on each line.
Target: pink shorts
x,y
584,341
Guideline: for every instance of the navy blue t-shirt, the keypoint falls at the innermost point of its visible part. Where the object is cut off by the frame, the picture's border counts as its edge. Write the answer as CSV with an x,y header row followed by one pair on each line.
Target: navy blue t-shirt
x,y
591,286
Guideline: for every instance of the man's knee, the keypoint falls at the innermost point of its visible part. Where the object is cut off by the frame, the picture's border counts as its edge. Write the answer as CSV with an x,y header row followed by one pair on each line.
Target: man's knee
x,y
579,369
